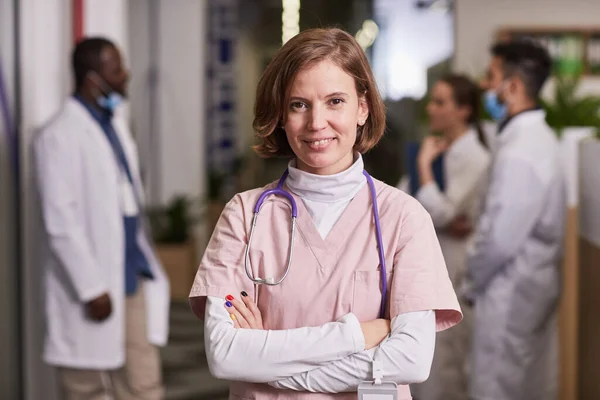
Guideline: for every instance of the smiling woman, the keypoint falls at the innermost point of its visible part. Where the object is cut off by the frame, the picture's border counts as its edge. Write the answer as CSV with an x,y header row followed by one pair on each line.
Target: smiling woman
x,y
317,328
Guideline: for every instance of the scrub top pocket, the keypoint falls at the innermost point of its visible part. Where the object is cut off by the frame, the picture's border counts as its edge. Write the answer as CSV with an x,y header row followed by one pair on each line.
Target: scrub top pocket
x,y
366,296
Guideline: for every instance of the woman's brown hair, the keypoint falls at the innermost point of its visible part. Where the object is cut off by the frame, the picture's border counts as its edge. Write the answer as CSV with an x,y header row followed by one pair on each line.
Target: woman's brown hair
x,y
465,92
302,51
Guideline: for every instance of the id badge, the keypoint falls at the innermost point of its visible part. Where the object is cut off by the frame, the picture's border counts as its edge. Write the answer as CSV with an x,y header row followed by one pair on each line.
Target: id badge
x,y
378,391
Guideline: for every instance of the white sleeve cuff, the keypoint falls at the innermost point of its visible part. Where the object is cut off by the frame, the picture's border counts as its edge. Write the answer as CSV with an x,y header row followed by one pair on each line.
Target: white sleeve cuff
x,y
355,330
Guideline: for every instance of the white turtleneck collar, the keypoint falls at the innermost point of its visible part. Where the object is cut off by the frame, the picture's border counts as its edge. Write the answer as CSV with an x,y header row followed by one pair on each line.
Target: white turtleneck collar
x,y
326,196
342,186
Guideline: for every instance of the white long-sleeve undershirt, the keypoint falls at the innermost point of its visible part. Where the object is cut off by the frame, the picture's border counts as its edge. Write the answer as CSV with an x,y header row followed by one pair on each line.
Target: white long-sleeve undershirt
x,y
327,358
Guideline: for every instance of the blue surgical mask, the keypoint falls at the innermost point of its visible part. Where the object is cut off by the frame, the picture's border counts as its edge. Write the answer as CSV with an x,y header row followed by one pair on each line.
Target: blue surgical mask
x,y
110,102
493,106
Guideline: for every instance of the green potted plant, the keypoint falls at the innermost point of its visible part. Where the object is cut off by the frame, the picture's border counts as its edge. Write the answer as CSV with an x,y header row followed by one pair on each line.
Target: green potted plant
x,y
172,223
570,110
217,191
216,201
576,120
171,226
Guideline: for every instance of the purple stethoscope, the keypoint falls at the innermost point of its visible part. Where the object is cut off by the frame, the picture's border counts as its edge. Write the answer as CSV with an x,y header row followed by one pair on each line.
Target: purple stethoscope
x,y
278,191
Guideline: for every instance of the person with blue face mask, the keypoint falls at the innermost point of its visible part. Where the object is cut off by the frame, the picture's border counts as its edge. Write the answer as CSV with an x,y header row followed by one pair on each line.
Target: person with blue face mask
x,y
107,297
110,99
513,275
493,106
502,98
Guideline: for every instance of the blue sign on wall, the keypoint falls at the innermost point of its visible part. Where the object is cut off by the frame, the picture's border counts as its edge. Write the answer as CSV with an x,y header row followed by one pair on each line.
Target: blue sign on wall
x,y
221,116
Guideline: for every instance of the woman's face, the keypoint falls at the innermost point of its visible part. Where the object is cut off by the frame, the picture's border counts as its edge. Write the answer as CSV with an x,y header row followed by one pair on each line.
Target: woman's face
x,y
444,114
322,117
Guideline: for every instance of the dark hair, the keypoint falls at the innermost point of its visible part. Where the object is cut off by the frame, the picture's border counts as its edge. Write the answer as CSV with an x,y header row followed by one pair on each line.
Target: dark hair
x,y
530,61
86,57
466,93
303,51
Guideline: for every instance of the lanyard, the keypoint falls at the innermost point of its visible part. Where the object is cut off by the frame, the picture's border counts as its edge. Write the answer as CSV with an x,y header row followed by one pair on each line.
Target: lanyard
x,y
377,389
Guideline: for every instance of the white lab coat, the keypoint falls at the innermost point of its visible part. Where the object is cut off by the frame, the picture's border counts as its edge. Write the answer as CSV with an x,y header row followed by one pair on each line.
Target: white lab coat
x,y
83,252
514,266
466,164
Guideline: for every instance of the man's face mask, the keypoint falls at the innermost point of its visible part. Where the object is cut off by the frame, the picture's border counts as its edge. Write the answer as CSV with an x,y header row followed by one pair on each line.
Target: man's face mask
x,y
493,105
108,99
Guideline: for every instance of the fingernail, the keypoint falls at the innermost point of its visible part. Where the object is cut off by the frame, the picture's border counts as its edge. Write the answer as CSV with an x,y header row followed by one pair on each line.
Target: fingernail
x,y
244,294
228,304
232,316
229,297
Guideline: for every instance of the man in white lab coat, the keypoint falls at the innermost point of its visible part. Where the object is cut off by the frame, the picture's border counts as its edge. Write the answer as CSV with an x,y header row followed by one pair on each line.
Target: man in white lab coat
x,y
514,265
106,295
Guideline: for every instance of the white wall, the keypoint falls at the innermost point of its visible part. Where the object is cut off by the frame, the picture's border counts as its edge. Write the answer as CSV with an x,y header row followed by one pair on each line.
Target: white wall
x,y
45,41
589,176
140,91
182,75
107,18
7,47
176,163
478,21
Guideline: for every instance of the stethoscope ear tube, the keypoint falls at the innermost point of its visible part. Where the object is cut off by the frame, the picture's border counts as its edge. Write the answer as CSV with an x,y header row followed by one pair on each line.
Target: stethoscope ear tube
x,y
269,281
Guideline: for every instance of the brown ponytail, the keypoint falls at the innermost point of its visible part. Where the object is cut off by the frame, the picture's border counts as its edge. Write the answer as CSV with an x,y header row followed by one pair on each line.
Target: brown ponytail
x,y
481,134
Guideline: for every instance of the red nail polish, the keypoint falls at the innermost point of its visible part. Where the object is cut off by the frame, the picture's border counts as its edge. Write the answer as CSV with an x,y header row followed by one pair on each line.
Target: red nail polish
x,y
229,297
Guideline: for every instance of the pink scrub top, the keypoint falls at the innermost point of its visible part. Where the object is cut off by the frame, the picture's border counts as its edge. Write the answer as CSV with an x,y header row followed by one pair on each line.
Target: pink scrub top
x,y
329,277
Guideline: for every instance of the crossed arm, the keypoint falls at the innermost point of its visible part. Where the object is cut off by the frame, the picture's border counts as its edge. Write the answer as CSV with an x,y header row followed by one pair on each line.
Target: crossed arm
x,y
331,358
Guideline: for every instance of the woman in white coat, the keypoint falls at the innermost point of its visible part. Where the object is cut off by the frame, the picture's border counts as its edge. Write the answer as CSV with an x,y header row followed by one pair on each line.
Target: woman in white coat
x,y
102,326
453,111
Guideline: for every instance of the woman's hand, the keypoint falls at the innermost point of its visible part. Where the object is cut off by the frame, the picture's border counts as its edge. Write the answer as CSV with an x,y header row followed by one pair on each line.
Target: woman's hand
x,y
244,313
431,148
375,331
